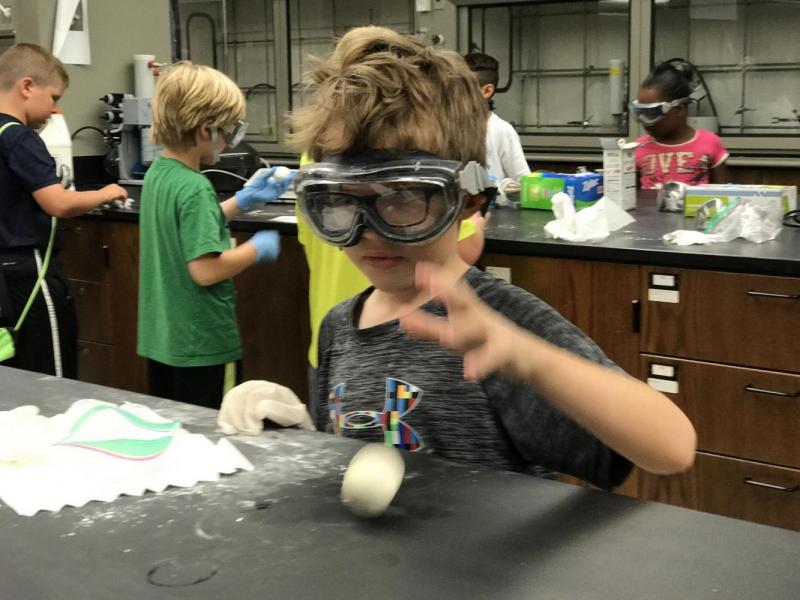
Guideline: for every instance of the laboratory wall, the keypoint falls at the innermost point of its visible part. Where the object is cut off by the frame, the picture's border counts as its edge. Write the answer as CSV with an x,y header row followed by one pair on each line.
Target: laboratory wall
x,y
750,57
117,31
264,46
561,58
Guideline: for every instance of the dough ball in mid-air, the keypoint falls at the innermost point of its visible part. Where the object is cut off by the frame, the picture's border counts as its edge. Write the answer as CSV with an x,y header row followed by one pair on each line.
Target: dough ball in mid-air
x,y
372,480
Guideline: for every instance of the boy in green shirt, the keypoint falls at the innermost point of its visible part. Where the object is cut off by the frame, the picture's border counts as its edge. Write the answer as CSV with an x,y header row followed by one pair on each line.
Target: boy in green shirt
x,y
187,320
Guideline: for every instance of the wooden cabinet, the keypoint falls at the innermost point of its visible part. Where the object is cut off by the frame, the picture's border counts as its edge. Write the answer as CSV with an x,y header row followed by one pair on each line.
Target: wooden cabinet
x,y
101,258
725,348
600,298
749,413
272,309
737,488
96,363
728,318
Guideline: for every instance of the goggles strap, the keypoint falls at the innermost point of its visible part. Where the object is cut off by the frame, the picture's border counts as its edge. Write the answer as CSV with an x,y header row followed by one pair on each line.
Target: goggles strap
x,y
473,178
214,144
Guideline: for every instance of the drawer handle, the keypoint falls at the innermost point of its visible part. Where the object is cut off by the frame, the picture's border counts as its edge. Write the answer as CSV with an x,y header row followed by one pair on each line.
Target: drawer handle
x,y
755,390
768,295
772,486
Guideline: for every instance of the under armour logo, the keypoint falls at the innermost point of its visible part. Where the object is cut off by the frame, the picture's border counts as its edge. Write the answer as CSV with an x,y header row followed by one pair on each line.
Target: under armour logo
x,y
400,399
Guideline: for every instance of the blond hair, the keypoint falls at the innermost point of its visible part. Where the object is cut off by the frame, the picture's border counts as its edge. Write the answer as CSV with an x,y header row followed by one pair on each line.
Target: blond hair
x,y
31,60
383,90
188,96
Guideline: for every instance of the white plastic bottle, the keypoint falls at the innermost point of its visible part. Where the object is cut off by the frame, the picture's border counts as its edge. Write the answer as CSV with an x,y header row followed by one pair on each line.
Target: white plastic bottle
x,y
55,135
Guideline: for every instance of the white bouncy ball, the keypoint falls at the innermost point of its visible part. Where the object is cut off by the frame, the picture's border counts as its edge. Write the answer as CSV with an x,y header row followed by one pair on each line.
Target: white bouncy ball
x,y
372,480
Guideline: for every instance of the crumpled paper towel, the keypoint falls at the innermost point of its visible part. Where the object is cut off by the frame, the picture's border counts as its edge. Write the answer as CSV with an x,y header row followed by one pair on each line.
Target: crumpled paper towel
x,y
753,219
592,224
245,407
99,451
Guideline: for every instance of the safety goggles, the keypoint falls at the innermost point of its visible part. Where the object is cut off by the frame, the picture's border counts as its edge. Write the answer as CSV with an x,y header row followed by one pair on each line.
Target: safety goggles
x,y
650,113
408,198
234,134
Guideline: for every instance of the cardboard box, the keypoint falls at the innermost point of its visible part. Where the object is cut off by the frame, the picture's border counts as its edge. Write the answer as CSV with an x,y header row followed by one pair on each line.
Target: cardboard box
x,y
619,172
537,189
698,194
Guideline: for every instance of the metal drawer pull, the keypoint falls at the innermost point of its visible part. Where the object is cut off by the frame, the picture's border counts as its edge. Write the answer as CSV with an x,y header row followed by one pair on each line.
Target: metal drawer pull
x,y
772,486
755,390
768,295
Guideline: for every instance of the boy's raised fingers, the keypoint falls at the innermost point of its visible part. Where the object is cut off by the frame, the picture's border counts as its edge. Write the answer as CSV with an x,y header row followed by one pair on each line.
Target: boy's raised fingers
x,y
453,293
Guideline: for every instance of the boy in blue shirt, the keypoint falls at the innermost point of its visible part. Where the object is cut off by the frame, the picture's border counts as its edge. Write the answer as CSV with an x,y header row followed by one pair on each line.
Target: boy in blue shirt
x,y
31,83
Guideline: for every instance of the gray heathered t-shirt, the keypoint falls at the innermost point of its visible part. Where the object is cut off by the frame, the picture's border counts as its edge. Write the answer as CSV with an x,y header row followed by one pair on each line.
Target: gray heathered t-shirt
x,y
379,384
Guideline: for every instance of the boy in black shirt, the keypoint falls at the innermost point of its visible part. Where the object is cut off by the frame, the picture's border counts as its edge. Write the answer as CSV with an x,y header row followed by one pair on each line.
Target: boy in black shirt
x,y
31,83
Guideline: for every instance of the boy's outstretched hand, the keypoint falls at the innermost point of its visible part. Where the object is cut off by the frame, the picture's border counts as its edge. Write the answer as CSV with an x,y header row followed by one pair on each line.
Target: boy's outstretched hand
x,y
266,186
623,412
485,338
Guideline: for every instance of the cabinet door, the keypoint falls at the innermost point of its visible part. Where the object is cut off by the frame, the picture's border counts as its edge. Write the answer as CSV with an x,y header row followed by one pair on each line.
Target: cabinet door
x,y
731,487
272,309
599,298
96,363
740,412
729,318
130,369
93,307
85,253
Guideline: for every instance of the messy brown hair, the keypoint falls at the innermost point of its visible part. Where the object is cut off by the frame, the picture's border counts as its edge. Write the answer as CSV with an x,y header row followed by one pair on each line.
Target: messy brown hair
x,y
31,60
382,90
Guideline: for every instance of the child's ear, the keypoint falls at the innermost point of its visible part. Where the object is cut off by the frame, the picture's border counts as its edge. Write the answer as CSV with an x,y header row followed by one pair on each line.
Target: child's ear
x,y
26,85
472,205
204,131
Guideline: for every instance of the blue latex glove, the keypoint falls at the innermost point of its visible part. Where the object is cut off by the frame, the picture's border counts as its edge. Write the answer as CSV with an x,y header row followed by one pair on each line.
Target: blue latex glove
x,y
267,243
264,188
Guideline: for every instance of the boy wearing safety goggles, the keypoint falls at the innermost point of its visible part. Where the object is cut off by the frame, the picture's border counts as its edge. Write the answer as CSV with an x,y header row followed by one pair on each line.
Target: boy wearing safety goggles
x,y
672,150
187,320
438,356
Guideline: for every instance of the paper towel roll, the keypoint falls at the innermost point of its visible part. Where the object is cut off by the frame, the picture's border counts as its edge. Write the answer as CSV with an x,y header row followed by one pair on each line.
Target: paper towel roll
x,y
143,79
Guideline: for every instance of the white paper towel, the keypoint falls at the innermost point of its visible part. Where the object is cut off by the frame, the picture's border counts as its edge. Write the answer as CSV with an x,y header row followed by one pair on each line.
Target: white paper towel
x,y
71,32
98,451
592,224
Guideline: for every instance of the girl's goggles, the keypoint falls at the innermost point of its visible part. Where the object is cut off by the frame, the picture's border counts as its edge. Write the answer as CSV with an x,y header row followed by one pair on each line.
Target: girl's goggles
x,y
409,198
650,113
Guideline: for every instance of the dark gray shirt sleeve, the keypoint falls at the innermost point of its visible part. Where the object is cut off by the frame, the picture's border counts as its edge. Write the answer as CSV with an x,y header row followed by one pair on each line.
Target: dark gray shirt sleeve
x,y
541,433
320,403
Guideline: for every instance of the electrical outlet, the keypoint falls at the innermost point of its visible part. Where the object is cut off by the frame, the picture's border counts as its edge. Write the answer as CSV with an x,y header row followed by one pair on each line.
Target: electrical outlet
x,y
503,273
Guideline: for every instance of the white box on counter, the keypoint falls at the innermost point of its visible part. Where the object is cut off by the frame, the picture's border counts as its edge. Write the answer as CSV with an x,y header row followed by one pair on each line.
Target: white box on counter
x,y
619,172
698,194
